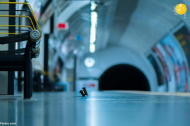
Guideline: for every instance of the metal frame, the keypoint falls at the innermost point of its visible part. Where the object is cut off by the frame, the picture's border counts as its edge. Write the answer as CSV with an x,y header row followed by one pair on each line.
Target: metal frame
x,y
24,3
14,62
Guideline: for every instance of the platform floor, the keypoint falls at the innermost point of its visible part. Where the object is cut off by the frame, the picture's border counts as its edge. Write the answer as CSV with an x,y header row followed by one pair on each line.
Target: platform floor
x,y
99,109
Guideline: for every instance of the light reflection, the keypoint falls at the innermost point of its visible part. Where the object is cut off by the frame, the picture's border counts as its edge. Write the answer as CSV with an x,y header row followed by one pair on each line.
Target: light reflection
x,y
93,113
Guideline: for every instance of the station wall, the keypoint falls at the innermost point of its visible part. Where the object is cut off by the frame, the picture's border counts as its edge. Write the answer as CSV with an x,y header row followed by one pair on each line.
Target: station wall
x,y
115,55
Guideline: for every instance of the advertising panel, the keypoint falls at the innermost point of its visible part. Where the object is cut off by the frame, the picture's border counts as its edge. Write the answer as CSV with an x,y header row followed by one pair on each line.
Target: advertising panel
x,y
166,64
158,69
179,62
183,36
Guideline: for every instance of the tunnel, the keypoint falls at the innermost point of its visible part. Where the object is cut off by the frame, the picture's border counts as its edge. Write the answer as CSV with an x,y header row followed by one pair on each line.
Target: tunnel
x,y
123,77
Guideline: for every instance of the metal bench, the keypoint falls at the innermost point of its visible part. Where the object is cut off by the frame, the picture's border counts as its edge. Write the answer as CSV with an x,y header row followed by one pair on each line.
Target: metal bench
x,y
20,60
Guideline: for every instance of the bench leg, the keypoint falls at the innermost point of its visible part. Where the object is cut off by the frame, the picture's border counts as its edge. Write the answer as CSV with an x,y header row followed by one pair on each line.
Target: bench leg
x,y
28,81
31,79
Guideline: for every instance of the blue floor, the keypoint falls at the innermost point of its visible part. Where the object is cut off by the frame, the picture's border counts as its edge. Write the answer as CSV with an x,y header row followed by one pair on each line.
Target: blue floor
x,y
99,109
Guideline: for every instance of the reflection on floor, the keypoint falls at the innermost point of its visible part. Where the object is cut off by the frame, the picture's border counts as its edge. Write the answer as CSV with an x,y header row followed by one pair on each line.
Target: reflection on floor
x,y
99,109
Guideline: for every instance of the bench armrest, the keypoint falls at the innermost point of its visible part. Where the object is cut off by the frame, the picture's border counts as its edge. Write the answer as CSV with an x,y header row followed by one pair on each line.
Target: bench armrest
x,y
15,38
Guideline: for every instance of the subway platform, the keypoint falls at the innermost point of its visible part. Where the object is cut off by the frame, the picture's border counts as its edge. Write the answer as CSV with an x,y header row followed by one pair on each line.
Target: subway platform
x,y
109,108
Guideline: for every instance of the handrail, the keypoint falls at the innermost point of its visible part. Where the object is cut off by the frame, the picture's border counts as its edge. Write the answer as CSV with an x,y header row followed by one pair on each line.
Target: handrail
x,y
9,33
16,38
17,26
19,16
25,3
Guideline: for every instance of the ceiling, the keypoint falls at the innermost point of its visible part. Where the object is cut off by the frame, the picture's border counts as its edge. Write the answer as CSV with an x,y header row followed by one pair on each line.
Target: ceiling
x,y
136,24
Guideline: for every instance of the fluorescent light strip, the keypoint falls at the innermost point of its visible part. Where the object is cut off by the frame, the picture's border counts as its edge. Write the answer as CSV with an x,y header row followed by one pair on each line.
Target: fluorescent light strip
x,y
92,48
93,5
94,20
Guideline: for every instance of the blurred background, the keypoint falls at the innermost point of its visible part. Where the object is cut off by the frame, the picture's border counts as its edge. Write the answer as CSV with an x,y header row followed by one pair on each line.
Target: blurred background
x,y
109,45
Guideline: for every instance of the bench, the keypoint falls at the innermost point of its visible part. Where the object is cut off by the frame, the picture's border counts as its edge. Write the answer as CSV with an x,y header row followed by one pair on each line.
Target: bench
x,y
21,59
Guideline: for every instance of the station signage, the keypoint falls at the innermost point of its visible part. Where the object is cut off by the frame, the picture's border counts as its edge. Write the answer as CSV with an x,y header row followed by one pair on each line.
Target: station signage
x,y
63,26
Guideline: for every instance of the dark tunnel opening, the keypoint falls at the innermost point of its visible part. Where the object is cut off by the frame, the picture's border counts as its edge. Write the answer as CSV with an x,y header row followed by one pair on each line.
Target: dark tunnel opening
x,y
123,77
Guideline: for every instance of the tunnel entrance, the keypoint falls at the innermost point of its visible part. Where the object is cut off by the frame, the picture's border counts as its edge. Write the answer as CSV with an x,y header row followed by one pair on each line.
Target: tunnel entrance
x,y
123,77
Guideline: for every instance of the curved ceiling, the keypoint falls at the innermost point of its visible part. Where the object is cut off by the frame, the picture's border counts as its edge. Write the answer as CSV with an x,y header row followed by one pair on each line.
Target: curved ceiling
x,y
136,24
149,23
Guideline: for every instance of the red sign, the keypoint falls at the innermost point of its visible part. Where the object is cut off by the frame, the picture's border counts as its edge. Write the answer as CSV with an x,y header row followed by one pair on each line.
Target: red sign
x,y
92,85
63,26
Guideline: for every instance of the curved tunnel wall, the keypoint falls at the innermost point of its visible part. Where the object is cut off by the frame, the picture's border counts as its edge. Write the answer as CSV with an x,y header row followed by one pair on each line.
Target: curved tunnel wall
x,y
123,77
144,30
114,55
